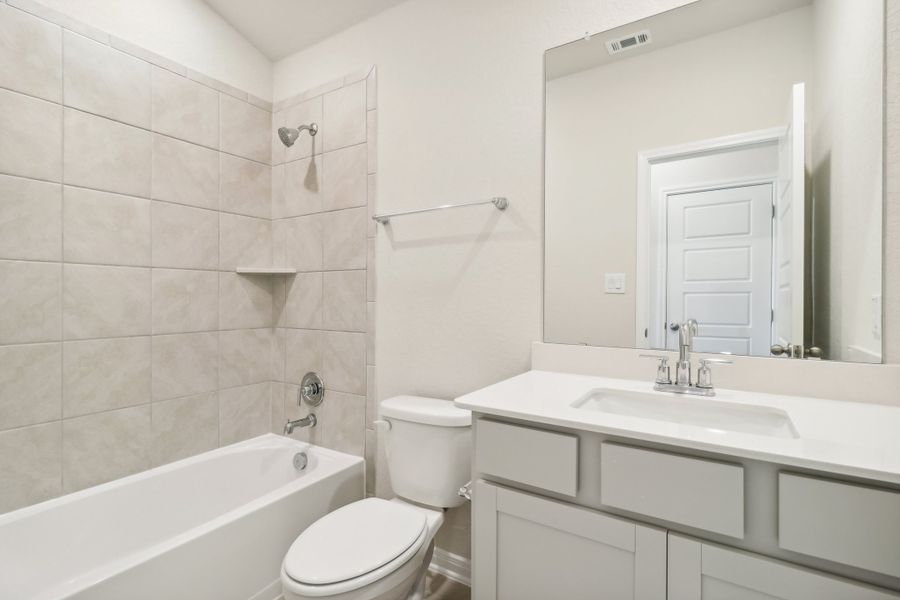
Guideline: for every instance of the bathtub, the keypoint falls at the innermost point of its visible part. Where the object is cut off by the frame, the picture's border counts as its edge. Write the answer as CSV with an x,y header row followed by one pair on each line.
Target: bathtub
x,y
215,526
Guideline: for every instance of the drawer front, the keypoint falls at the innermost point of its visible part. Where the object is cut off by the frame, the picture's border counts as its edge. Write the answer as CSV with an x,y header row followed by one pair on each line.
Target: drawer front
x,y
543,459
841,522
695,492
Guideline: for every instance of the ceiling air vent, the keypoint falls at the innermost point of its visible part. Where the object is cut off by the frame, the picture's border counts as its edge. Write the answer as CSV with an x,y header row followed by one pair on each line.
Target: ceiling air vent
x,y
628,42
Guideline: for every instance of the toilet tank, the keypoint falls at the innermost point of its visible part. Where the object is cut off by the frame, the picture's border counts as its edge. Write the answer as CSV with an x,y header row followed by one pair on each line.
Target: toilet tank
x,y
428,447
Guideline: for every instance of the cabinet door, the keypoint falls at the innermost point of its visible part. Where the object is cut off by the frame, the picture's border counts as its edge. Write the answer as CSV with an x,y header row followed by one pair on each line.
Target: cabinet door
x,y
701,571
530,548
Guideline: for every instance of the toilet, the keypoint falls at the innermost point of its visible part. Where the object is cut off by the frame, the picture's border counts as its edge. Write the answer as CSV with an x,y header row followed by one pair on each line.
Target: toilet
x,y
377,549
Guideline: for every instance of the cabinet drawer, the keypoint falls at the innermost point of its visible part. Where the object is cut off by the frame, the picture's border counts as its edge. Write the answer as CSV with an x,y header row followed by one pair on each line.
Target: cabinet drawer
x,y
842,522
544,459
695,492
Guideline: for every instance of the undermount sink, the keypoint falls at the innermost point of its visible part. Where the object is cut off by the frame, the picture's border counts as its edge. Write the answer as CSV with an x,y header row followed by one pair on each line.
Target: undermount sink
x,y
713,415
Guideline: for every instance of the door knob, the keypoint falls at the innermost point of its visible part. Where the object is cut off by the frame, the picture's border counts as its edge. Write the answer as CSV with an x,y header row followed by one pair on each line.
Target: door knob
x,y
796,351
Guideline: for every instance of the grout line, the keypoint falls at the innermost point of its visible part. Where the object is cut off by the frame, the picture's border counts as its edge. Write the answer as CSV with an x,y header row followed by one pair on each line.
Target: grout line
x,y
62,247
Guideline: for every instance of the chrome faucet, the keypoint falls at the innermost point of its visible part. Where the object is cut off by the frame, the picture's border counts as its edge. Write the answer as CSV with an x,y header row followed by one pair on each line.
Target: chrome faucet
x,y
307,421
684,383
686,333
312,392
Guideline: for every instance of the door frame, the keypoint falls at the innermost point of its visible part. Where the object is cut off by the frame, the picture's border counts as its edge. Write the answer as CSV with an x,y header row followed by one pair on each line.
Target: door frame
x,y
647,285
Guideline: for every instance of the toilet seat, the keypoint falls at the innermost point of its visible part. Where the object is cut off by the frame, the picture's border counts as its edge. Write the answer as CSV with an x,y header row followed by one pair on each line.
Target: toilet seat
x,y
354,546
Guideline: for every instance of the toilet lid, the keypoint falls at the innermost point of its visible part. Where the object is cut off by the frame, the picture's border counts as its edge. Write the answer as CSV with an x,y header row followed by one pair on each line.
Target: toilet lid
x,y
353,540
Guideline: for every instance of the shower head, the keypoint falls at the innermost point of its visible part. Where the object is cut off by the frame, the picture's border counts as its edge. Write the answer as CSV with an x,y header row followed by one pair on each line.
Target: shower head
x,y
289,135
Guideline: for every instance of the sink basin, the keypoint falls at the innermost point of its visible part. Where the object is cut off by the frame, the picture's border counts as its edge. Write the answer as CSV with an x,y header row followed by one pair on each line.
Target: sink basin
x,y
713,415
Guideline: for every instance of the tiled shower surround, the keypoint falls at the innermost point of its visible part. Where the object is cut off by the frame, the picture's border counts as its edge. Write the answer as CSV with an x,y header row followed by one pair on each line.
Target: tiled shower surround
x,y
130,190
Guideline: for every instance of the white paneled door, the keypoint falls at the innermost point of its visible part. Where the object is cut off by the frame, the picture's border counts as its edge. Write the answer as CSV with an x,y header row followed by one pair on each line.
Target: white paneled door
x,y
719,267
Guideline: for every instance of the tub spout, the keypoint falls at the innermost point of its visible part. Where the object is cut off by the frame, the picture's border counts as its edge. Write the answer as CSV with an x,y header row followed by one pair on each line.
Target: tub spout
x,y
307,421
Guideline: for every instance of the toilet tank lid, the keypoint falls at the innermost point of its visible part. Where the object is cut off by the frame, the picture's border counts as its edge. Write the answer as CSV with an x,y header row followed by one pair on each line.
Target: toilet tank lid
x,y
428,411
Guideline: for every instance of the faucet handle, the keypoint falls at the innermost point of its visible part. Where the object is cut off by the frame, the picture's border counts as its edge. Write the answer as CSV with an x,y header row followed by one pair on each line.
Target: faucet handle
x,y
663,374
704,374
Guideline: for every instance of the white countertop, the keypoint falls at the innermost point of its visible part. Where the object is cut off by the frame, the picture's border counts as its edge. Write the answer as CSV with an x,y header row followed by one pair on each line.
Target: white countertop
x,y
849,438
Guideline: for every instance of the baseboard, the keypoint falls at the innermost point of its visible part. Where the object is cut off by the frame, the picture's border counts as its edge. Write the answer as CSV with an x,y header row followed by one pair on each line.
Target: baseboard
x,y
452,566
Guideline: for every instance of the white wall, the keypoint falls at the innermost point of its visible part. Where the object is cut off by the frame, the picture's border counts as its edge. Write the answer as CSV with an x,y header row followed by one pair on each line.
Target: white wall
x,y
186,31
598,121
847,177
460,102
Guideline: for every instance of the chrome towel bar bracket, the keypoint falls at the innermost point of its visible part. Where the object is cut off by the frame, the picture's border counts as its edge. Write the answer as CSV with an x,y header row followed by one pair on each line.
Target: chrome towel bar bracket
x,y
499,203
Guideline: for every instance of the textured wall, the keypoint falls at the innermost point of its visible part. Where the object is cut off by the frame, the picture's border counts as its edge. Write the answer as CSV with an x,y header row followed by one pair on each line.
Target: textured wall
x,y
128,195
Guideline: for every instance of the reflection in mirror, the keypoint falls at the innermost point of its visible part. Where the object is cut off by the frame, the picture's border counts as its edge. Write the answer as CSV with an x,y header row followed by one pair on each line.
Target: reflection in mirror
x,y
719,162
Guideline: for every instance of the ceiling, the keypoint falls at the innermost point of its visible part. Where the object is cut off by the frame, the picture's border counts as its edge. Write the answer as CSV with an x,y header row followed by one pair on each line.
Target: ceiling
x,y
672,27
281,27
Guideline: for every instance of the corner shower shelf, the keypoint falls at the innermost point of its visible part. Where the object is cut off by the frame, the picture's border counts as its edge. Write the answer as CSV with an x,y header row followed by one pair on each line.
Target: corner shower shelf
x,y
266,270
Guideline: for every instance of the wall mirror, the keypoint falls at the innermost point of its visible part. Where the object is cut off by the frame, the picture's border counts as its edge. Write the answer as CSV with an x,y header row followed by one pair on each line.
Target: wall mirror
x,y
721,162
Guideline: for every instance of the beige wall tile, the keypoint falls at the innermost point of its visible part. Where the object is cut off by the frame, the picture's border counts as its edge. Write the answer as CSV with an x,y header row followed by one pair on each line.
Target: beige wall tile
x,y
30,384
279,348
105,446
345,178
244,242
101,301
184,237
372,197
304,113
303,187
371,280
185,301
184,364
105,81
105,228
344,361
183,427
303,353
245,357
30,465
345,111
345,300
184,109
276,408
245,187
30,219
245,301
105,374
245,129
32,137
304,302
106,155
244,413
29,302
370,333
303,242
345,239
343,421
372,139
32,54
185,173
371,396
278,205
278,148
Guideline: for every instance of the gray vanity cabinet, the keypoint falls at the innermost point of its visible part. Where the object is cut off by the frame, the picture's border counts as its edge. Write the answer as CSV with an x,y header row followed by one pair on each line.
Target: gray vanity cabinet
x,y
702,571
532,548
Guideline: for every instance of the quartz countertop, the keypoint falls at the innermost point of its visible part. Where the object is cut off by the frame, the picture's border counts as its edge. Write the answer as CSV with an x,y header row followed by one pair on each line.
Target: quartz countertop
x,y
849,438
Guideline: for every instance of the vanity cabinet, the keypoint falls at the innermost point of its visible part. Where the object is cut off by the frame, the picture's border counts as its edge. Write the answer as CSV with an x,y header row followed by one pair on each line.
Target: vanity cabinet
x,y
702,571
529,547
562,513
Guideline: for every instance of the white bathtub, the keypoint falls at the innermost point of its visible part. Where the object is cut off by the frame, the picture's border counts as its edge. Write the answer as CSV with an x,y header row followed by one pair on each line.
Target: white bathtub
x,y
215,526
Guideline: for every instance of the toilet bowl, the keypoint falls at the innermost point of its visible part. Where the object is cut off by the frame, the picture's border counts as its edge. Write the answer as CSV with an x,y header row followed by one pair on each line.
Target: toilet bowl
x,y
377,549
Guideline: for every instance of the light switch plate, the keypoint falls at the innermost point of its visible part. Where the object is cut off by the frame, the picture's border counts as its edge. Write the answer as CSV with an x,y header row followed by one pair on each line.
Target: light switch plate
x,y
615,283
